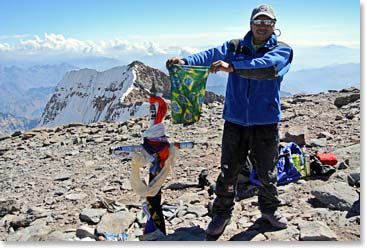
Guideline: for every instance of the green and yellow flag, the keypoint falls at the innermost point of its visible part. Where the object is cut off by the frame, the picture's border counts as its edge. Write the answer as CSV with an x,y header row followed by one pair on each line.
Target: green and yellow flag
x,y
187,92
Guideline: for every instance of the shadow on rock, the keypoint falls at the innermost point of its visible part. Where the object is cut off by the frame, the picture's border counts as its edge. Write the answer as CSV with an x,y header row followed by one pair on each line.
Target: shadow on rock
x,y
315,203
319,177
259,227
179,186
194,233
354,210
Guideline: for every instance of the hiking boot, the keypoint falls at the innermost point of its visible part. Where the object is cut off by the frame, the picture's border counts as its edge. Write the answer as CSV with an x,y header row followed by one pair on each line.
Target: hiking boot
x,y
276,219
217,225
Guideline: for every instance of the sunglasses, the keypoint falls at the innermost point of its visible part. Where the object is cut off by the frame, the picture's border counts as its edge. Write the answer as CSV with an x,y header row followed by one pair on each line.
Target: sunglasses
x,y
263,22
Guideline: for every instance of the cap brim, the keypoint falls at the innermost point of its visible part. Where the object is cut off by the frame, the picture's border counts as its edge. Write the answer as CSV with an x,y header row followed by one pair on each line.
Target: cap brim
x,y
265,14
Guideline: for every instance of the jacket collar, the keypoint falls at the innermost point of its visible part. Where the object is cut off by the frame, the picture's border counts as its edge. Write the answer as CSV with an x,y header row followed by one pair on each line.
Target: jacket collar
x,y
272,41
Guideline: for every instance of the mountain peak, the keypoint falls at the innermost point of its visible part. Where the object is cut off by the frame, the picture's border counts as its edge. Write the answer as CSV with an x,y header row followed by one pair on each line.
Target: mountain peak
x,y
116,94
136,62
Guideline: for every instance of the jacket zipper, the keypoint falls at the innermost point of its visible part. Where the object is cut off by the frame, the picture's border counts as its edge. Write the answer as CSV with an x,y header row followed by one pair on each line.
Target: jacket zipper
x,y
248,88
248,94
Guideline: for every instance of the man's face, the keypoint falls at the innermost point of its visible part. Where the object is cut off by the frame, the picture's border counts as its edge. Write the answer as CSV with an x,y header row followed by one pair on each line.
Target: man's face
x,y
261,31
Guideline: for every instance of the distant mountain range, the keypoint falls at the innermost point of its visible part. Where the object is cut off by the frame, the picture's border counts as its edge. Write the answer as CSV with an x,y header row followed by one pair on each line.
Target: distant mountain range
x,y
304,58
97,63
333,77
9,123
25,91
27,85
34,76
88,61
322,56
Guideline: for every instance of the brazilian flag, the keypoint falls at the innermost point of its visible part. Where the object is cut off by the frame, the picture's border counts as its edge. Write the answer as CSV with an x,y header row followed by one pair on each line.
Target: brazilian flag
x,y
188,85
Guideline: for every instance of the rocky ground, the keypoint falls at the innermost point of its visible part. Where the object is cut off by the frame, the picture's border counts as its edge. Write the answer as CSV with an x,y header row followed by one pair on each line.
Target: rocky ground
x,y
62,183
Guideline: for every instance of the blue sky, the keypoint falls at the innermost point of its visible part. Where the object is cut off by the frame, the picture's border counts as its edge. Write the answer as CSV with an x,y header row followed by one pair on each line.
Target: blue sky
x,y
109,19
112,27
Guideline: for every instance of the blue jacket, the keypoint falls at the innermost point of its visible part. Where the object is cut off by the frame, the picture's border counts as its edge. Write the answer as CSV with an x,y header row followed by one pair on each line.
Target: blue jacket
x,y
253,89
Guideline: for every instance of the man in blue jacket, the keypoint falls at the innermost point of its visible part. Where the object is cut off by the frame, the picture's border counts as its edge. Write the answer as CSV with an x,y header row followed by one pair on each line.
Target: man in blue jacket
x,y
256,65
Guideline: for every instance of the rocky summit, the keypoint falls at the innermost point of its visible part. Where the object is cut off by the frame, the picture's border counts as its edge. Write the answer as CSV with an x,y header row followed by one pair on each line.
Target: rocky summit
x,y
61,183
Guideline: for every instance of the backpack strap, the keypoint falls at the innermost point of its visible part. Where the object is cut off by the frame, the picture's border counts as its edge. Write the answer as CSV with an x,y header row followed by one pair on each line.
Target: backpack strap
x,y
235,46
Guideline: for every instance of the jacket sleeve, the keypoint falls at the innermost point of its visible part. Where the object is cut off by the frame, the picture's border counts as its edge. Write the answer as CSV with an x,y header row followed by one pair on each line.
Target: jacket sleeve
x,y
206,58
272,65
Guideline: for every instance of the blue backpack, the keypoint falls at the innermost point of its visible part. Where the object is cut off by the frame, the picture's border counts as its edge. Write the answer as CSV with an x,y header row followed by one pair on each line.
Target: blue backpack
x,y
290,157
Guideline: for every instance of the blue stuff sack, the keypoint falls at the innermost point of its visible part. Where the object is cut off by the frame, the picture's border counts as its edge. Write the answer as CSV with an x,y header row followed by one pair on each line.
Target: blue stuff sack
x,y
286,170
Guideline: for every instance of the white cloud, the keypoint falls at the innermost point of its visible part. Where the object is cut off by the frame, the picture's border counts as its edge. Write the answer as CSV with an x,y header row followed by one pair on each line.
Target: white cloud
x,y
117,44
4,47
186,51
58,43
56,47
154,49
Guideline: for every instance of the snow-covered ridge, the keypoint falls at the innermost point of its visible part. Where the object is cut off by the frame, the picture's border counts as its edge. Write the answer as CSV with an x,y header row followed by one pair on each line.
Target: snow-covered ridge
x,y
86,96
89,77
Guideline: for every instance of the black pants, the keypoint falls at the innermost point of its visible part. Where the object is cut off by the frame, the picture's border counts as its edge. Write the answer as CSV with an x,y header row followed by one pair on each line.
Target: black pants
x,y
262,141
